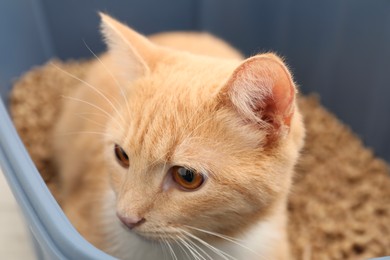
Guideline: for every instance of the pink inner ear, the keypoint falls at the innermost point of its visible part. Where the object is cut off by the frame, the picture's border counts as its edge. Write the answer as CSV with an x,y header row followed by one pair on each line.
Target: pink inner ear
x,y
283,91
262,90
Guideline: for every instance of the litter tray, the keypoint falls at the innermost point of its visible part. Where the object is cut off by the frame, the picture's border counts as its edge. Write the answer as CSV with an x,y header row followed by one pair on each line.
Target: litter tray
x,y
33,31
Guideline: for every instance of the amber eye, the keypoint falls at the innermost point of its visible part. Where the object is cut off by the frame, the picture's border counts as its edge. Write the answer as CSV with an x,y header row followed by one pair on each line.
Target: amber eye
x,y
187,178
122,157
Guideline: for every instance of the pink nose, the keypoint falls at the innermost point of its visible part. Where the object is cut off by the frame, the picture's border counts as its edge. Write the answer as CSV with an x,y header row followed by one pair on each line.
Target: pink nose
x,y
131,222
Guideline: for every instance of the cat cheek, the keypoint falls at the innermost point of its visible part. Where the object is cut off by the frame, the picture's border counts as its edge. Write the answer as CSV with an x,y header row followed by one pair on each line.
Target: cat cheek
x,y
114,182
116,178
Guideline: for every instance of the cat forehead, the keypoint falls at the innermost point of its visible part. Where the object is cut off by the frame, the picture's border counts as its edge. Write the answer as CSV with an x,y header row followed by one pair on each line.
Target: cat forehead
x,y
180,83
186,71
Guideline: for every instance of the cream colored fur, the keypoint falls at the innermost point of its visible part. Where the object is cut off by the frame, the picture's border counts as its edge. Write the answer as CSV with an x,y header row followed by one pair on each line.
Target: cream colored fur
x,y
182,99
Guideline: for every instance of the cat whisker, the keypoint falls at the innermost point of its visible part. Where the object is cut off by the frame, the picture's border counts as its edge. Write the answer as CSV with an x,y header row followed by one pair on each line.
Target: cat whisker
x,y
90,120
231,239
112,76
219,252
198,248
93,88
170,250
192,250
163,246
94,106
85,132
227,238
181,239
182,246
164,243
86,114
88,103
92,114
95,122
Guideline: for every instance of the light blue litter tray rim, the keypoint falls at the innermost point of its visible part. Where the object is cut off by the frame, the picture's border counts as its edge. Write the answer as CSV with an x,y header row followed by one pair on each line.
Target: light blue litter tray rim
x,y
54,234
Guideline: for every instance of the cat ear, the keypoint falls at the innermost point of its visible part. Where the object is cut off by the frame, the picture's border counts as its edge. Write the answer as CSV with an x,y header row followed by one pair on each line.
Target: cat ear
x,y
262,90
130,50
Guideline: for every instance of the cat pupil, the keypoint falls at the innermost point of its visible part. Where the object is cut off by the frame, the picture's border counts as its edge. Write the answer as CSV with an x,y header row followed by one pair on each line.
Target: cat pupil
x,y
124,155
186,174
121,155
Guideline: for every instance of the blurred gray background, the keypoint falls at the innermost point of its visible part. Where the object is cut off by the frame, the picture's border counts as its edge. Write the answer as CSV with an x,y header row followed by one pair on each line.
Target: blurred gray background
x,y
337,48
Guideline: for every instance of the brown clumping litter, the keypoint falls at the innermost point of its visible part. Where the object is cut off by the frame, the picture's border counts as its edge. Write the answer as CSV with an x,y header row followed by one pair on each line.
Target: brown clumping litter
x,y
339,207
34,105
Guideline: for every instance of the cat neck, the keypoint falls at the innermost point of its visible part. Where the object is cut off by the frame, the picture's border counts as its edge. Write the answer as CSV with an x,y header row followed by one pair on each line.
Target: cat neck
x,y
266,239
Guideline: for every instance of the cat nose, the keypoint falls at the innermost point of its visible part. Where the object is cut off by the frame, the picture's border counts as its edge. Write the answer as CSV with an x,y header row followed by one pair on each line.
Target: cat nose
x,y
131,222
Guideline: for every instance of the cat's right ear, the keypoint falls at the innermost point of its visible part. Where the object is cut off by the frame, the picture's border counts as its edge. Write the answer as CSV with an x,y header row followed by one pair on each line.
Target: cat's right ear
x,y
129,49
263,92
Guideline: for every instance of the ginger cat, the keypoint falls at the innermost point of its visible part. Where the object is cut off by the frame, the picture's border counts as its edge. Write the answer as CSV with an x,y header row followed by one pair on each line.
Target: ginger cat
x,y
175,147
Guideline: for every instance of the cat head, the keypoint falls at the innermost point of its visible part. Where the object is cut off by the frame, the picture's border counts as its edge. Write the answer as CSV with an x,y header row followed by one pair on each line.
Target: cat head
x,y
201,143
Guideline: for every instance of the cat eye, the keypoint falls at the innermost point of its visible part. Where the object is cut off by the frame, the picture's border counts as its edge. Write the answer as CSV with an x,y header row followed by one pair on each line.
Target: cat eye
x,y
121,156
188,179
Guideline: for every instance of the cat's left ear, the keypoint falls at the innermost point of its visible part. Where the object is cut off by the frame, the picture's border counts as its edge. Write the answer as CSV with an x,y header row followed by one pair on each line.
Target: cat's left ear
x,y
131,51
262,91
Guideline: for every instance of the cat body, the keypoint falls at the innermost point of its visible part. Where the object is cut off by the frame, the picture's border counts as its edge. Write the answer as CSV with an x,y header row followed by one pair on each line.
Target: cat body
x,y
156,116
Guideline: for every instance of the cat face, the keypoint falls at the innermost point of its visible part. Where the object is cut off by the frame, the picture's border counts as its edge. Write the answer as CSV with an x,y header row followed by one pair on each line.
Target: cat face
x,y
200,144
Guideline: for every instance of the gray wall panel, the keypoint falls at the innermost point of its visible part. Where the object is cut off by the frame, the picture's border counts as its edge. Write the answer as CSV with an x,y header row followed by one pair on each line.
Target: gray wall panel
x,y
73,21
24,39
